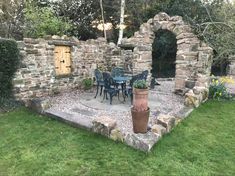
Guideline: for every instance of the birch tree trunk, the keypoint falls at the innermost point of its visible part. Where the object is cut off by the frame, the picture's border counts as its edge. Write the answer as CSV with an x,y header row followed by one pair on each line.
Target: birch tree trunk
x,y
121,25
102,15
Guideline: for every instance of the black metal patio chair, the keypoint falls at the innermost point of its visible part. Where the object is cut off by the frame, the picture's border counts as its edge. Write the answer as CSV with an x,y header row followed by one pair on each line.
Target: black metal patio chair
x,y
99,81
109,87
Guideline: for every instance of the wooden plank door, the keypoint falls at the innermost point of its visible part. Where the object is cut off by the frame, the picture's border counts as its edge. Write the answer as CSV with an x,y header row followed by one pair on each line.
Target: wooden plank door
x,y
62,60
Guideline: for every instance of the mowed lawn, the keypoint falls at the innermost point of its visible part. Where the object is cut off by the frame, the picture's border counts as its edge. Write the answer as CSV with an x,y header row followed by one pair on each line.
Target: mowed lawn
x,y
203,144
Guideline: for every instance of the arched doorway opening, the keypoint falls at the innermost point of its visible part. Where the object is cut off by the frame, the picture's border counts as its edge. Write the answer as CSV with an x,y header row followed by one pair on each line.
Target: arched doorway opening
x,y
164,50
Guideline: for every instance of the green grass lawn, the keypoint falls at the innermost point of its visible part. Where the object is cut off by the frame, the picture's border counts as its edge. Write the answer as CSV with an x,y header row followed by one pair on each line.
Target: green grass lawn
x,y
203,144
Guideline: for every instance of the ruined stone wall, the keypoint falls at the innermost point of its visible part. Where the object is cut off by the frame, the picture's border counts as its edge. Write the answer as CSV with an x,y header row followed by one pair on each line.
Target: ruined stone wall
x,y
36,76
193,57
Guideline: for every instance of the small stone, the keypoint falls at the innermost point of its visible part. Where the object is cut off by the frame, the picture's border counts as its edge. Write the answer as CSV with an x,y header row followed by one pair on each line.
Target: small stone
x,y
158,129
116,135
103,125
166,121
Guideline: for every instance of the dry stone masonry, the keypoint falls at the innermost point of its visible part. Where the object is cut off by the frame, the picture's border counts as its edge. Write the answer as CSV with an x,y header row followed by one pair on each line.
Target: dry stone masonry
x,y
193,60
37,77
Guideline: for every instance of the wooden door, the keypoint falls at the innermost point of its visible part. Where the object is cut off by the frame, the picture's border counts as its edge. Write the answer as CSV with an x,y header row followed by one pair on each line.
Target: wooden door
x,y
62,60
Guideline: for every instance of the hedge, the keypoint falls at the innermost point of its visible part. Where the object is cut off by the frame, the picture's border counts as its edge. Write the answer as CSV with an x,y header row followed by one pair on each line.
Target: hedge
x,y
9,61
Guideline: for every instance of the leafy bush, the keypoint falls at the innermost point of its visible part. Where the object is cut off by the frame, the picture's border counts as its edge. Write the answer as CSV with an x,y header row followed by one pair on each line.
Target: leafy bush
x,y
218,90
87,83
140,84
42,21
9,60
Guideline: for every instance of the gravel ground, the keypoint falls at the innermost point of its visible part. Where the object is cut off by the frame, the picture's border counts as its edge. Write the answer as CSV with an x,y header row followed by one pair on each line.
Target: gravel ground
x,y
161,100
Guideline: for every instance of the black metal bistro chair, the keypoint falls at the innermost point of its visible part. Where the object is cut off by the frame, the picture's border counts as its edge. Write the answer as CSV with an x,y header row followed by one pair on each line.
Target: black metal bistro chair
x,y
109,87
117,72
99,81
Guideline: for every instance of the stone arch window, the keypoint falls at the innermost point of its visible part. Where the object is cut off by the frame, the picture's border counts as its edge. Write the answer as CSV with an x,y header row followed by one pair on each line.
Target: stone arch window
x,y
193,57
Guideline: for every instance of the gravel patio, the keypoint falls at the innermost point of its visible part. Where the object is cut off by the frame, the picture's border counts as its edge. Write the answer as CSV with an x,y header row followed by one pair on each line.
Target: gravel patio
x,y
82,105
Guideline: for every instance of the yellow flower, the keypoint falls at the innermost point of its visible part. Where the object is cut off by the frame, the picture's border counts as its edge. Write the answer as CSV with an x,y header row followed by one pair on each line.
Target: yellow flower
x,y
226,79
216,81
220,94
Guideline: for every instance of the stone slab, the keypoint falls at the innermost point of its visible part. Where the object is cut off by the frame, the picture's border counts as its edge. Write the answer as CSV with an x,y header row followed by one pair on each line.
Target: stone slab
x,y
184,112
74,120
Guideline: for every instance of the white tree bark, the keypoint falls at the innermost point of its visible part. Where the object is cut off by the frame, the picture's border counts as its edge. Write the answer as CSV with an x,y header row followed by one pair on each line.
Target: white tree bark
x,y
102,15
121,25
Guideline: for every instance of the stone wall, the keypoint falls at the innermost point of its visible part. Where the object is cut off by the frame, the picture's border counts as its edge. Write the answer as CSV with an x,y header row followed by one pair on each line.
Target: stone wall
x,y
36,76
193,57
231,66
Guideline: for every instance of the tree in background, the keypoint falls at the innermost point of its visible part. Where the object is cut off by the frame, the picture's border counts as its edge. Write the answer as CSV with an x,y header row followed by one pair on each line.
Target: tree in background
x,y
121,25
41,21
81,14
219,31
11,18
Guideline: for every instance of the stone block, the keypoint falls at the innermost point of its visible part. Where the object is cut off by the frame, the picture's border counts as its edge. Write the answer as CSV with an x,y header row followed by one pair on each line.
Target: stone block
x,y
31,51
116,135
161,17
31,41
156,26
176,18
150,21
142,142
203,91
192,100
103,125
170,26
185,35
159,129
166,121
190,83
39,105
179,83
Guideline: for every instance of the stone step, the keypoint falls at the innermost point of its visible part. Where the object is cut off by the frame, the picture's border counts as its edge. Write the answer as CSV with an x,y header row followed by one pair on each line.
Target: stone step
x,y
74,120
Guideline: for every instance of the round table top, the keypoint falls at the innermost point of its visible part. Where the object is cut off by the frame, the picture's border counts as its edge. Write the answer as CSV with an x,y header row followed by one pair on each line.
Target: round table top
x,y
121,78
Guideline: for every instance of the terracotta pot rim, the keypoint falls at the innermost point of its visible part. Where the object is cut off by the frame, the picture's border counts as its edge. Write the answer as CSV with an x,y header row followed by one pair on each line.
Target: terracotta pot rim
x,y
137,89
132,109
141,91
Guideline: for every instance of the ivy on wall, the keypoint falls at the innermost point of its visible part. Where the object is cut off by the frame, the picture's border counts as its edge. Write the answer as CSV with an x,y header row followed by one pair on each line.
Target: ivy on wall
x,y
9,61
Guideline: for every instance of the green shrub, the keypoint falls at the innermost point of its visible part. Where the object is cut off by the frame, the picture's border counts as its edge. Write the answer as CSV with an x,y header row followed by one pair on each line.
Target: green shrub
x,y
40,22
87,83
9,60
140,84
218,90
